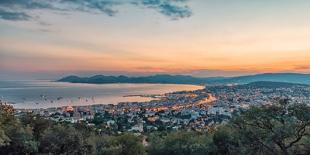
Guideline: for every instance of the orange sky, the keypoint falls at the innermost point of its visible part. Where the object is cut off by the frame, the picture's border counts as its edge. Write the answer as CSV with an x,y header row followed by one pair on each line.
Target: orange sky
x,y
218,36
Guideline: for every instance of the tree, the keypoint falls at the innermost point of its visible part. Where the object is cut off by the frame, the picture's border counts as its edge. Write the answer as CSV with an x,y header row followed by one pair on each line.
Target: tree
x,y
14,137
129,144
4,139
6,116
22,140
281,128
61,139
37,123
180,143
126,144
226,141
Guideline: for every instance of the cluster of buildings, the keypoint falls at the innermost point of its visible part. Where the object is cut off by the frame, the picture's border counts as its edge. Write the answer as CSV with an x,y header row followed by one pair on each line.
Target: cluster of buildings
x,y
199,110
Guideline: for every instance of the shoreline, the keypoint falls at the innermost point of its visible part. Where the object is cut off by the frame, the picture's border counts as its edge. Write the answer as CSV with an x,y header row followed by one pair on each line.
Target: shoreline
x,y
193,84
153,97
121,97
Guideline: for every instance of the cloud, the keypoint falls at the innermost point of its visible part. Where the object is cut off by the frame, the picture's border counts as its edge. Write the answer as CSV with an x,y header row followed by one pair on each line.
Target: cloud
x,y
26,4
302,67
92,6
14,16
216,72
174,9
168,7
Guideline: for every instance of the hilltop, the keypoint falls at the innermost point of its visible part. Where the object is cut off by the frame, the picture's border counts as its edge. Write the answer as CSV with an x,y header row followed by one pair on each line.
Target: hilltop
x,y
186,79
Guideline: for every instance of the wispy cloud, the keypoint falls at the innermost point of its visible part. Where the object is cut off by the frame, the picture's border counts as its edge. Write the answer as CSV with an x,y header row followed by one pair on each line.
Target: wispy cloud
x,y
14,16
302,67
174,9
167,7
91,6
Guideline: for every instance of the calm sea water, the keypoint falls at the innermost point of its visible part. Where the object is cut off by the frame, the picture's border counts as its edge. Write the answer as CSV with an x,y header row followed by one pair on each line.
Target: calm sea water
x,y
44,94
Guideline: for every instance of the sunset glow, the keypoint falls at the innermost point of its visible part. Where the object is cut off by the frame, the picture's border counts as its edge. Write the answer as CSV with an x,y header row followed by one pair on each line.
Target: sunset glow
x,y
218,38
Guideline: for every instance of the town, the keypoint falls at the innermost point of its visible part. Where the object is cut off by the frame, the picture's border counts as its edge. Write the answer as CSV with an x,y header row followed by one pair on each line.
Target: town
x,y
199,110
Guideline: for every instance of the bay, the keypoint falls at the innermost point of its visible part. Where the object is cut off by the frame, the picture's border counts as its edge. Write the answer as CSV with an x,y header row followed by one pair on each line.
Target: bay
x,y
46,94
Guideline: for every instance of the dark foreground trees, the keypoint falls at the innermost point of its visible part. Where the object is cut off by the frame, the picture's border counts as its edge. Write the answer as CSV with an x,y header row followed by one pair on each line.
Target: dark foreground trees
x,y
282,128
14,137
180,143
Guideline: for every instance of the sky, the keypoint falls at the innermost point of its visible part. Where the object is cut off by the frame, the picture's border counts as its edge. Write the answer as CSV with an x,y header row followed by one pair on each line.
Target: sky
x,y
53,38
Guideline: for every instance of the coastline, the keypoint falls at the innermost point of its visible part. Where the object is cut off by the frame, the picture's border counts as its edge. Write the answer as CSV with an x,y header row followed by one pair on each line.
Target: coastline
x,y
132,92
161,83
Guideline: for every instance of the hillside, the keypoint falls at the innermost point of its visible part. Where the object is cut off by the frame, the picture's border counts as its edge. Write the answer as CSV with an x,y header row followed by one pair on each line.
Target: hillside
x,y
273,85
274,77
165,79
184,79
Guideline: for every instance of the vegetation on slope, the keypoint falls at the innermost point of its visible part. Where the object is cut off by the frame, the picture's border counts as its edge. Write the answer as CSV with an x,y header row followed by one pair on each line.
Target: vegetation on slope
x,y
282,128
184,79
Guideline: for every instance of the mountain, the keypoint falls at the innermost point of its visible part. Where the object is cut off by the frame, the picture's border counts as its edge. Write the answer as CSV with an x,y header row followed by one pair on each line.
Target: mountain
x,y
163,78
184,79
269,84
274,77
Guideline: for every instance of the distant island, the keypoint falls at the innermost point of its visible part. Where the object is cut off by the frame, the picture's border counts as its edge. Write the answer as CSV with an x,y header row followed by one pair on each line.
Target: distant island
x,y
158,79
186,79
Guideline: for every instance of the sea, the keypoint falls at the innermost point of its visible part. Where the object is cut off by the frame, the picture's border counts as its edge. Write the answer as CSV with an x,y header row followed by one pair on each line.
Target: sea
x,y
37,94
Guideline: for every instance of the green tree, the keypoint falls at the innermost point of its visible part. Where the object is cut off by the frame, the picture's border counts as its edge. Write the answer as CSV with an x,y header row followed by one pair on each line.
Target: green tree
x,y
37,123
126,144
62,139
226,141
129,144
6,116
14,137
180,143
103,145
281,128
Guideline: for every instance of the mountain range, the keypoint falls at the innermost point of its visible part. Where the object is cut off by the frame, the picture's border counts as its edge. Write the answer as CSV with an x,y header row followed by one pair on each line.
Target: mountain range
x,y
186,79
